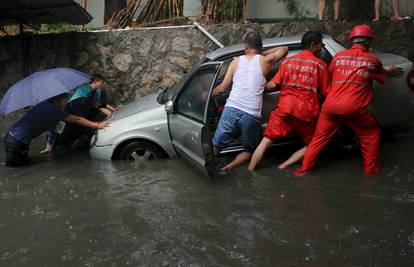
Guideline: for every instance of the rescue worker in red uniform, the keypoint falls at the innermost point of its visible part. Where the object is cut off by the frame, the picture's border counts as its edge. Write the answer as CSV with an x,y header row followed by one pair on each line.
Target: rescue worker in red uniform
x,y
352,74
303,79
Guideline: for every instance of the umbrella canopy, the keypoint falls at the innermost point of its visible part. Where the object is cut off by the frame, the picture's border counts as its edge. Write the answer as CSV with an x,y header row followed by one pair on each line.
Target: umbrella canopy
x,y
41,86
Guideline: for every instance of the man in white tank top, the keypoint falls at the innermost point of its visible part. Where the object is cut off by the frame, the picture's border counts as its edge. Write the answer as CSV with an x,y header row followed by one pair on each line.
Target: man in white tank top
x,y
242,112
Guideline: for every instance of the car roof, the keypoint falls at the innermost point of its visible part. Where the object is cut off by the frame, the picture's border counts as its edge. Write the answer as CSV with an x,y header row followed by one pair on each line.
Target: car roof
x,y
266,43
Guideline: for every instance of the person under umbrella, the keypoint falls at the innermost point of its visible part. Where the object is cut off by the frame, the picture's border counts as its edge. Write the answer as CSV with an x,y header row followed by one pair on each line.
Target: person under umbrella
x,y
47,92
75,135
39,119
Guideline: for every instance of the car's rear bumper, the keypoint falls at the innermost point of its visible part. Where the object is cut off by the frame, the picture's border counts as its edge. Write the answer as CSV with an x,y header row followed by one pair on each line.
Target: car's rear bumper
x,y
101,152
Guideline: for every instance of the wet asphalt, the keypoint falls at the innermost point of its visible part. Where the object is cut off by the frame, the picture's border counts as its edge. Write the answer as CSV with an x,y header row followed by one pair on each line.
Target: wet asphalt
x,y
79,212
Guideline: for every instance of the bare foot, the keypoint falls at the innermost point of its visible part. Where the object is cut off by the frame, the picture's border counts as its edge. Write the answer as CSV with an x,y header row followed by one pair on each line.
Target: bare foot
x,y
397,18
251,168
376,19
227,168
282,166
48,149
45,151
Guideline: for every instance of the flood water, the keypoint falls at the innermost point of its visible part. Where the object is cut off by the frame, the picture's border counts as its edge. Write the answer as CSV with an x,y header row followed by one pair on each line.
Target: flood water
x,y
79,212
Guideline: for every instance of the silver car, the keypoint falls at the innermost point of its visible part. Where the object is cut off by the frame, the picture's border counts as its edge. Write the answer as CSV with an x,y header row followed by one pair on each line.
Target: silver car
x,y
183,120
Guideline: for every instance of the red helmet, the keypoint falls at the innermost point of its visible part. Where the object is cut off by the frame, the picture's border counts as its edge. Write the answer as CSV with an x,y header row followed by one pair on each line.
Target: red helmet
x,y
361,30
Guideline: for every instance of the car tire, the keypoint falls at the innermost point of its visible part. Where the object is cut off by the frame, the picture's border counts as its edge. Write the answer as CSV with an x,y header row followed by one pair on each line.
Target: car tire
x,y
141,151
347,140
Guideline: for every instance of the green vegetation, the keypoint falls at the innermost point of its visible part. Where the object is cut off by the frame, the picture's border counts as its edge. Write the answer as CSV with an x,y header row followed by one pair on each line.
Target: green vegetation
x,y
224,10
60,27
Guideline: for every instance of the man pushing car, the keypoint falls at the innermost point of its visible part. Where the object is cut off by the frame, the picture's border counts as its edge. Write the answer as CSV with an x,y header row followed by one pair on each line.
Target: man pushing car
x,y
352,73
303,79
242,112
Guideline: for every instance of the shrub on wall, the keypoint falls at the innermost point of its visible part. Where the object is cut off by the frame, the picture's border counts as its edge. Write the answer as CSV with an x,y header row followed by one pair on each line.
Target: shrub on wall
x,y
60,27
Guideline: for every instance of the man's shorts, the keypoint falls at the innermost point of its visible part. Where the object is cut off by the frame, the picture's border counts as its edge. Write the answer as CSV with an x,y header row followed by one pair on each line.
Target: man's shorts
x,y
235,123
281,125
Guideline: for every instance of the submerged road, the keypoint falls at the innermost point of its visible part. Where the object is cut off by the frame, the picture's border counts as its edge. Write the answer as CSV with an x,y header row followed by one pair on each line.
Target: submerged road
x,y
79,212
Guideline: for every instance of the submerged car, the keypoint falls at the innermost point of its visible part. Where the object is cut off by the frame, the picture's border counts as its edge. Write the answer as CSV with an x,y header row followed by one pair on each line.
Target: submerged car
x,y
183,121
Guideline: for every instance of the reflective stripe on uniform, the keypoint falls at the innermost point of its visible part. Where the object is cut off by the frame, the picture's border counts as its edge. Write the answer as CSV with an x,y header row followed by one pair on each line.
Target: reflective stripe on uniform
x,y
305,60
315,90
356,58
345,81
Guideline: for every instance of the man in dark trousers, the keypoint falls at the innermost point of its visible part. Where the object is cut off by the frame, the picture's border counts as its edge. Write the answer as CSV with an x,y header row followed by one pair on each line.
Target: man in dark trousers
x,y
75,135
39,119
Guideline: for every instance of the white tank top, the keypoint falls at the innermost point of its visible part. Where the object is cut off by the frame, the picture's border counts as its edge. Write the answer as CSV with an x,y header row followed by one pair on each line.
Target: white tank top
x,y
248,86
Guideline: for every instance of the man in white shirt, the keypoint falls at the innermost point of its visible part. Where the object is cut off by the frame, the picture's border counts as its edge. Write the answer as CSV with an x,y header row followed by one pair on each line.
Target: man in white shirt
x,y
242,112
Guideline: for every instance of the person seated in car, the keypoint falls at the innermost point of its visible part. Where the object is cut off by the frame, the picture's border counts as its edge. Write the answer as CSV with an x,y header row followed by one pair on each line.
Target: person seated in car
x,y
96,81
39,119
243,110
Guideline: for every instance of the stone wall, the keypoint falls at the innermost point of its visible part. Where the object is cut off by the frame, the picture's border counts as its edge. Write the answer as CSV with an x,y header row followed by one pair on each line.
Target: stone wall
x,y
142,61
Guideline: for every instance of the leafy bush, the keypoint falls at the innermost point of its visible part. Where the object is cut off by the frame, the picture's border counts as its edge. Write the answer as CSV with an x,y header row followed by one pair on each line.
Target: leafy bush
x,y
59,27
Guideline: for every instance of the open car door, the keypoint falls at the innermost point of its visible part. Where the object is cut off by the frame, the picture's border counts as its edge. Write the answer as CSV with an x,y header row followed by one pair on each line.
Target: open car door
x,y
188,119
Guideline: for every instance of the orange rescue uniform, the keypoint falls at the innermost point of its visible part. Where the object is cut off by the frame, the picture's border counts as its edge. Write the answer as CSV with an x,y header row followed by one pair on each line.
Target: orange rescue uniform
x,y
352,72
301,77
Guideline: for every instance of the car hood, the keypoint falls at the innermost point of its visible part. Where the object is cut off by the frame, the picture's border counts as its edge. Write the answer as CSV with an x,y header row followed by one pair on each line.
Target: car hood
x,y
145,103
388,59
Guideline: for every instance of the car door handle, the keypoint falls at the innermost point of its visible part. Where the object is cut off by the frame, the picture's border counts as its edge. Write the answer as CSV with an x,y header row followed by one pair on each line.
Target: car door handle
x,y
194,137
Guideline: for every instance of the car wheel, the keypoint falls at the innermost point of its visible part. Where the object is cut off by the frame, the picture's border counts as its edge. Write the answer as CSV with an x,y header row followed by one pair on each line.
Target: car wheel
x,y
346,139
141,151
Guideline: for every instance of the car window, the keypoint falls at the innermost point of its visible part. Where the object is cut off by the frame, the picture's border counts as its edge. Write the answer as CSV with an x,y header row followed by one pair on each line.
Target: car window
x,y
170,93
223,69
193,98
325,56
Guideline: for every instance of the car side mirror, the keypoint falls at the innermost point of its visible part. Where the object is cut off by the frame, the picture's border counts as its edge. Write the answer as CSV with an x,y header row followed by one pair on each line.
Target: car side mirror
x,y
169,107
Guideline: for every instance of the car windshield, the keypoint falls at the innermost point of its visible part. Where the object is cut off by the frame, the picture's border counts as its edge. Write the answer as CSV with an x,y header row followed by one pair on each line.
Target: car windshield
x,y
170,93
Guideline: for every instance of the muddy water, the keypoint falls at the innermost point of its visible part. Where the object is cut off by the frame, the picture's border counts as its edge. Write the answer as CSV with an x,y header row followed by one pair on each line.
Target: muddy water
x,y
79,212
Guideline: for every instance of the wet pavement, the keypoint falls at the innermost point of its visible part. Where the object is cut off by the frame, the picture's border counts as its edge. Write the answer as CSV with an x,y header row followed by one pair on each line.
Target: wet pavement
x,y
79,212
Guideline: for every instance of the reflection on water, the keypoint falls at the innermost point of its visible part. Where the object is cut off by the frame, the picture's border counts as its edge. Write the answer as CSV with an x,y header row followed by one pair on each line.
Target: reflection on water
x,y
79,212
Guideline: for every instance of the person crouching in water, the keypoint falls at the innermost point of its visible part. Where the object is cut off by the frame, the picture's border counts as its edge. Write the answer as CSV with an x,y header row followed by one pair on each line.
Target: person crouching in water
x,y
303,78
96,81
242,112
75,135
39,119
353,72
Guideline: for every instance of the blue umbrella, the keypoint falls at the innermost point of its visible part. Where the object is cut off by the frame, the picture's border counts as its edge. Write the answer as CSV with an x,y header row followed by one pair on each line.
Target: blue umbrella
x,y
41,86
